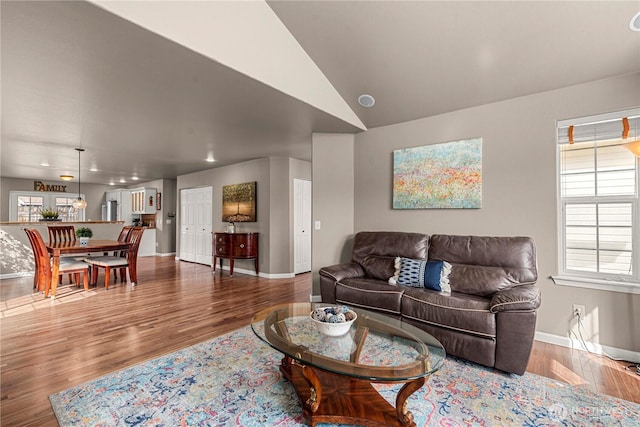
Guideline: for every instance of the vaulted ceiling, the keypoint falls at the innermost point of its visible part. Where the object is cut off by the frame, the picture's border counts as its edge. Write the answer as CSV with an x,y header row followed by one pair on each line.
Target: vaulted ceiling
x,y
151,89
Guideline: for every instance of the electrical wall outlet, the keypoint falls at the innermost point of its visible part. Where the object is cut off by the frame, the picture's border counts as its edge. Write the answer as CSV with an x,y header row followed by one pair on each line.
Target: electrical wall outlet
x,y
578,311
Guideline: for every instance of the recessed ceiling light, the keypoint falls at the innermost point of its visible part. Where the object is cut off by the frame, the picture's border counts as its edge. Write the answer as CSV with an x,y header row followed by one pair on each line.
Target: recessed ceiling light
x,y
66,177
135,178
366,101
210,158
122,180
634,24
45,164
112,183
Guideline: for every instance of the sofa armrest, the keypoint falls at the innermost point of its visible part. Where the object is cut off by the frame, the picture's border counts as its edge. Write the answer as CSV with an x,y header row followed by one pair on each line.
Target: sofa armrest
x,y
342,271
329,276
519,298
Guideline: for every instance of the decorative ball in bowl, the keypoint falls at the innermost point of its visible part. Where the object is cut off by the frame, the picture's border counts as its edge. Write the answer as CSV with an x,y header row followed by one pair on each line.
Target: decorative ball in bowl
x,y
333,321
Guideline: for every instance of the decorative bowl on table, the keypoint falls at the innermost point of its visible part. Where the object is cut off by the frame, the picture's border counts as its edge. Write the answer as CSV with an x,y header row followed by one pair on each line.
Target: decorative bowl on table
x,y
333,321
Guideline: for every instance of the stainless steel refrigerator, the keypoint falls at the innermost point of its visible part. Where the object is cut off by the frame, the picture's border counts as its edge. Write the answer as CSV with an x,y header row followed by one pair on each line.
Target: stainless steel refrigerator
x,y
112,210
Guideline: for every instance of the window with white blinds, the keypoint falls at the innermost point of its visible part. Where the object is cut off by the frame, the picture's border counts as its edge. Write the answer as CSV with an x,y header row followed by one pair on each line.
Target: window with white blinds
x,y
599,213
25,206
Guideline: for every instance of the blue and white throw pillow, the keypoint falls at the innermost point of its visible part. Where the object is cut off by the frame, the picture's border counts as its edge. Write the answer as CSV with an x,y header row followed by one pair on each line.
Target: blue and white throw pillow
x,y
420,273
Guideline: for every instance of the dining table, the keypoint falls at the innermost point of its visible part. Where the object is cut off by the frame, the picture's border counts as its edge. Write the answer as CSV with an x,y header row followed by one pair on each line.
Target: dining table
x,y
58,249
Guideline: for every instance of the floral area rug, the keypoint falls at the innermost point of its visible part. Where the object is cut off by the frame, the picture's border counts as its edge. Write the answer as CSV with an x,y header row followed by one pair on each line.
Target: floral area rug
x,y
234,380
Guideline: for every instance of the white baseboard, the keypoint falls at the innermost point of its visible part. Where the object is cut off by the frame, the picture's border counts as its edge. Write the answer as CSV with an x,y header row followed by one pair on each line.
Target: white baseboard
x,y
612,352
315,298
277,276
166,254
253,273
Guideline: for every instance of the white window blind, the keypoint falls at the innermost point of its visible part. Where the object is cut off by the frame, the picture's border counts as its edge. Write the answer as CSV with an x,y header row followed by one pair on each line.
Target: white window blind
x,y
598,176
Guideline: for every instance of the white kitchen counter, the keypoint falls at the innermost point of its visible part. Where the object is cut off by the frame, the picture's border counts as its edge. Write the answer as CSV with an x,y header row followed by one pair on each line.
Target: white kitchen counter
x,y
148,243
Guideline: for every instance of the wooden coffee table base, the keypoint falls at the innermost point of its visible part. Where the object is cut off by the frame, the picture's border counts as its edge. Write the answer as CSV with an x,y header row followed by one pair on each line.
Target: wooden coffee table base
x,y
333,398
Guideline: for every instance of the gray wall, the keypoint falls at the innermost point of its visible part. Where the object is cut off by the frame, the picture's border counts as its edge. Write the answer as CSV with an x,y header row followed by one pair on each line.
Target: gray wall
x,y
519,191
94,195
279,226
274,188
333,197
169,206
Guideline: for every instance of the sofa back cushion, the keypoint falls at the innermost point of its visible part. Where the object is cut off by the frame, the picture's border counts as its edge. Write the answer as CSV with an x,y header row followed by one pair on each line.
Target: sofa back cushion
x,y
376,251
485,265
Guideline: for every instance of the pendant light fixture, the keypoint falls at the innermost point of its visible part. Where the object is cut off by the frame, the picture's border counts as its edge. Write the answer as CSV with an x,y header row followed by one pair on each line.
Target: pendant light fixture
x,y
79,203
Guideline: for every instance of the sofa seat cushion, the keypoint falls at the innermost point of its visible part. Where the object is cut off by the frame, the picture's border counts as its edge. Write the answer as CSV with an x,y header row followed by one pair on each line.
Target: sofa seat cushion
x,y
461,312
369,294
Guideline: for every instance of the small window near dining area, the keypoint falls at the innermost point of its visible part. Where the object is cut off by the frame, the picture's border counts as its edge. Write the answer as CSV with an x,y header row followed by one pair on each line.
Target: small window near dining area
x,y
27,206
66,209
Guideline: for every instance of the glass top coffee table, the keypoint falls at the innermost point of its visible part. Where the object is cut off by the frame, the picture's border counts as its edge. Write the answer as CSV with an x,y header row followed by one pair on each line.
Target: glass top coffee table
x,y
332,375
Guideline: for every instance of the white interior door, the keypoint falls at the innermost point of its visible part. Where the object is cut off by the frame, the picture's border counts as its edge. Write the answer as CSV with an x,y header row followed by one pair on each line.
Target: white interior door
x,y
195,224
204,206
187,226
302,225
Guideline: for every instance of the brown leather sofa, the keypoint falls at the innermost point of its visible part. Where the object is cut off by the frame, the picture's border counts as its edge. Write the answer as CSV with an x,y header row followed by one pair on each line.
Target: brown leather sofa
x,y
489,317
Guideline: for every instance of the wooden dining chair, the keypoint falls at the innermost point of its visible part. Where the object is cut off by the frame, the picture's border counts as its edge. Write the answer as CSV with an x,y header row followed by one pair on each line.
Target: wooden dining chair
x,y
37,283
122,237
43,264
37,269
128,262
61,233
124,234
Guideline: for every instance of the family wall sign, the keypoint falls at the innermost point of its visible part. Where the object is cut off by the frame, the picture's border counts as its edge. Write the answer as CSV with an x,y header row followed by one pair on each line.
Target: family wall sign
x,y
41,186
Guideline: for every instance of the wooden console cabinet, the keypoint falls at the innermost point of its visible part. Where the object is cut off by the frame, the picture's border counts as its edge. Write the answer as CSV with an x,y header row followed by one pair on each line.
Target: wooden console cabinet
x,y
235,246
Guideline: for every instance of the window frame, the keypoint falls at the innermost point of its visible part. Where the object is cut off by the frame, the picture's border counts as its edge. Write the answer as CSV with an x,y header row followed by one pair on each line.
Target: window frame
x,y
48,200
598,280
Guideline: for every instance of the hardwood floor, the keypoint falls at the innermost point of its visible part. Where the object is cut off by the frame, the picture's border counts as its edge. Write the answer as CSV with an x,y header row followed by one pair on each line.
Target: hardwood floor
x,y
590,371
175,305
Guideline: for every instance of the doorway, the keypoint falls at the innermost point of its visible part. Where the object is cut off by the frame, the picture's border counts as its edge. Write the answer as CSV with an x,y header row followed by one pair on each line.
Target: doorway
x,y
196,206
301,226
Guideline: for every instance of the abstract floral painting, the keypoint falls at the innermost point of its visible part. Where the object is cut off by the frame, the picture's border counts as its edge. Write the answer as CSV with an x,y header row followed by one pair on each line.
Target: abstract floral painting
x,y
438,176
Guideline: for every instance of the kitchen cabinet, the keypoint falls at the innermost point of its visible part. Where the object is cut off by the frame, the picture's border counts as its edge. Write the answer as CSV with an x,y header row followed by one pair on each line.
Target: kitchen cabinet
x,y
118,205
113,196
235,246
143,200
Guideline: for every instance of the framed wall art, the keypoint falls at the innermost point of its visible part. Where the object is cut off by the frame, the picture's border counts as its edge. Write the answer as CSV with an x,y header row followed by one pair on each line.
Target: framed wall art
x,y
239,202
438,176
